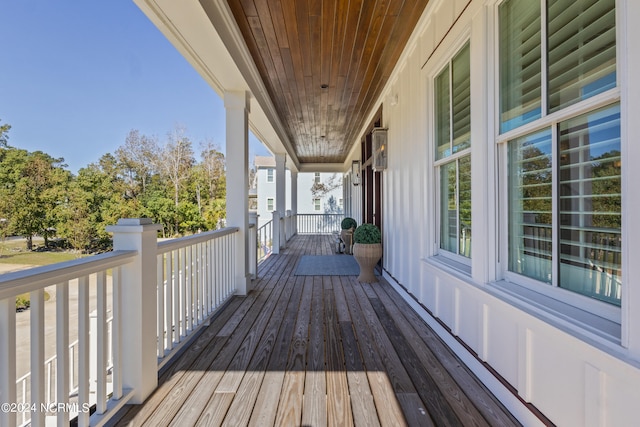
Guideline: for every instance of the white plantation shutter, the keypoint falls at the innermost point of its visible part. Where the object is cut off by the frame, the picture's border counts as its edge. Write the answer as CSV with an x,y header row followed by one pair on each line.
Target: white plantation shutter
x,y
443,115
582,50
520,63
461,100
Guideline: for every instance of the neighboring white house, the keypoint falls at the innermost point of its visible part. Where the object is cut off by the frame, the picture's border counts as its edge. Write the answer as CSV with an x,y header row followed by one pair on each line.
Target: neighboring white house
x,y
307,202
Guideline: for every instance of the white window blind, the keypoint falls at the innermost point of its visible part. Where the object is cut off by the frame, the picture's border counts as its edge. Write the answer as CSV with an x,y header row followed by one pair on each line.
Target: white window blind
x,y
580,57
582,50
520,63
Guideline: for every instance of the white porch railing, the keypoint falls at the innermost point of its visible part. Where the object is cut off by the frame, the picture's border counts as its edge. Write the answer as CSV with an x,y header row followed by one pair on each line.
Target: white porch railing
x,y
187,279
319,223
87,276
195,277
283,228
264,243
51,397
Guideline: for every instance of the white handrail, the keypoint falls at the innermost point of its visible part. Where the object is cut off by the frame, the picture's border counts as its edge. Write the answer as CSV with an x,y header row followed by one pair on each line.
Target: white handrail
x,y
24,281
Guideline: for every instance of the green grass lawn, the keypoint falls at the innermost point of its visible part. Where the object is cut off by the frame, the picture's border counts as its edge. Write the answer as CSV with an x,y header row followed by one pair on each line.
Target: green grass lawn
x,y
36,258
15,252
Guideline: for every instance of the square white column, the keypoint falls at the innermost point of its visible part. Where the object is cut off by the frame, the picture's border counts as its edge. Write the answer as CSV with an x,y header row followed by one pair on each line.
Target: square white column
x,y
237,155
294,200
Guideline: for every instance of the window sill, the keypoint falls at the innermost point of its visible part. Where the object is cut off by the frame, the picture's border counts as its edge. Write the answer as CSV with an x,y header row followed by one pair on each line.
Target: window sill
x,y
450,265
578,322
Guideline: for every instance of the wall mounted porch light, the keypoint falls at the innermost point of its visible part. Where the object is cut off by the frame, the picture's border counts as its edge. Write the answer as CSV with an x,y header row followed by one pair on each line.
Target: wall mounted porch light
x,y
379,136
355,172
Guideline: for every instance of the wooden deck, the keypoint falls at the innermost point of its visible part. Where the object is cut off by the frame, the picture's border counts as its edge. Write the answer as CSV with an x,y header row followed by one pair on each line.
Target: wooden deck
x,y
316,351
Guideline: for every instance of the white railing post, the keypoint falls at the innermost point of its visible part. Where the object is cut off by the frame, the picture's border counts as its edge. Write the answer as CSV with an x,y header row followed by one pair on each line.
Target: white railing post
x,y
139,294
275,233
253,244
285,229
8,359
288,223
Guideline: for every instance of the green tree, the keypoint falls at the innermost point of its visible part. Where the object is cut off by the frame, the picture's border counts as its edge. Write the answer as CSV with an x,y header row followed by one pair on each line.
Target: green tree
x,y
4,135
162,210
75,218
213,166
97,198
191,221
137,157
174,163
34,184
214,213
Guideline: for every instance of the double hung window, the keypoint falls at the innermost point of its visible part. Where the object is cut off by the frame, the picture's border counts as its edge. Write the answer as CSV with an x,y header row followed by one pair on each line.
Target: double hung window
x,y
564,170
453,154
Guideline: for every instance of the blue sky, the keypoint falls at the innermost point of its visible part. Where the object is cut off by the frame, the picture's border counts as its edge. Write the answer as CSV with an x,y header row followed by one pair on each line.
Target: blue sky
x,y
77,76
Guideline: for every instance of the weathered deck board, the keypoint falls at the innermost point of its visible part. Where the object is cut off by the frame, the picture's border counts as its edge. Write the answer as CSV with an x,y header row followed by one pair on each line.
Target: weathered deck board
x,y
317,351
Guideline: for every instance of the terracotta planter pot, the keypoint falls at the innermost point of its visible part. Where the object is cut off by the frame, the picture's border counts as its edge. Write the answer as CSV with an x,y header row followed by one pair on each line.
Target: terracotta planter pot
x,y
347,239
367,256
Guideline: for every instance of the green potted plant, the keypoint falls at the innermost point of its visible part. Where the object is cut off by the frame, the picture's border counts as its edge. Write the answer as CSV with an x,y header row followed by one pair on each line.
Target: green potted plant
x,y
367,250
348,225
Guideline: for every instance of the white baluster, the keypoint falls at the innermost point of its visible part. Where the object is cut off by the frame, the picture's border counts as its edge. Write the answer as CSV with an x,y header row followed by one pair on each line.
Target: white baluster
x,y
168,302
189,274
37,357
160,299
8,359
116,333
83,349
62,349
101,356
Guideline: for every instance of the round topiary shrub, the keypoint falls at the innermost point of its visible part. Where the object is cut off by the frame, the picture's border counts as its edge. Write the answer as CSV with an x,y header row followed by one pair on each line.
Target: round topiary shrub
x,y
367,234
348,223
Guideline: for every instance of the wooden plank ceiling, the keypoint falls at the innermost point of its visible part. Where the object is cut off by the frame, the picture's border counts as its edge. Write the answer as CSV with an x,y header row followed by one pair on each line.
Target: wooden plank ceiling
x,y
324,63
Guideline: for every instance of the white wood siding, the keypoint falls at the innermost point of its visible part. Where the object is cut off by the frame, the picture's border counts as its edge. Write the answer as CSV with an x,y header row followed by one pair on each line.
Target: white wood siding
x,y
573,373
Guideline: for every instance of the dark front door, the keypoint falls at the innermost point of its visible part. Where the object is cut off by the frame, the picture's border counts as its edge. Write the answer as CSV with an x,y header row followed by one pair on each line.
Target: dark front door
x,y
371,186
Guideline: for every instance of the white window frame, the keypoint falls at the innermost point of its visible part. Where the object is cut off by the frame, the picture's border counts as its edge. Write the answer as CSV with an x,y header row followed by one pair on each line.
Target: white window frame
x,y
317,204
271,175
273,204
549,121
454,157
